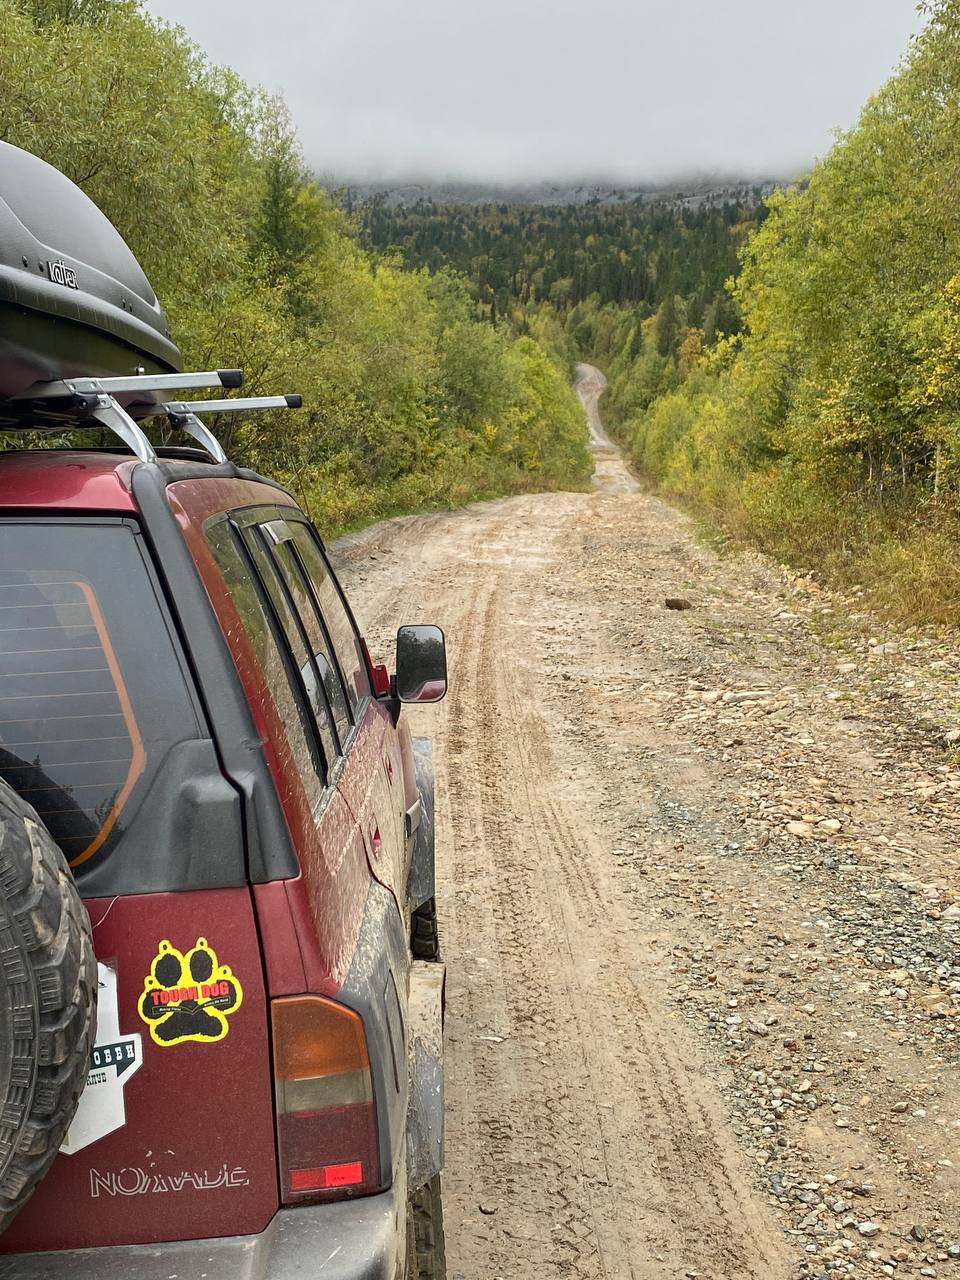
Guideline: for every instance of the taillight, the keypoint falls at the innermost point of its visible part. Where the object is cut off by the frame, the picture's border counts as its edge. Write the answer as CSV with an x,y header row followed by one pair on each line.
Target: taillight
x,y
326,1116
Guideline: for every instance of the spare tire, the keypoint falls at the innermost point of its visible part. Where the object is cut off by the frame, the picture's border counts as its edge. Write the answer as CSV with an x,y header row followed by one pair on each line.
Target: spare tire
x,y
48,1000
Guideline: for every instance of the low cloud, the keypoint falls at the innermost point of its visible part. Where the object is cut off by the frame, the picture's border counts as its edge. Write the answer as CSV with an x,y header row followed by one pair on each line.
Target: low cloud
x,y
520,90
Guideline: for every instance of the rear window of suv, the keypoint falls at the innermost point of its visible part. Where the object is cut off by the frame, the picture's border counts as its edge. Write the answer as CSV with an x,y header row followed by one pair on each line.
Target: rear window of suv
x,y
92,695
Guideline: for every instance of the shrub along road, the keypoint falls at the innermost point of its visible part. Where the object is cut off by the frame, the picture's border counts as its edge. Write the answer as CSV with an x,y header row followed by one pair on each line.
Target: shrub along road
x,y
699,893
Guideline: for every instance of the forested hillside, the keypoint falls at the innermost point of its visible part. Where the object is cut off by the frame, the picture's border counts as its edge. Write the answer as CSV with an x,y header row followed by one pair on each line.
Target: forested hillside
x,y
412,400
628,254
829,430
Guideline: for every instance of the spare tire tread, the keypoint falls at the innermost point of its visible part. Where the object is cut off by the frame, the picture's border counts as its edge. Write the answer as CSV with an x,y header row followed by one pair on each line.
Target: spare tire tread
x,y
49,968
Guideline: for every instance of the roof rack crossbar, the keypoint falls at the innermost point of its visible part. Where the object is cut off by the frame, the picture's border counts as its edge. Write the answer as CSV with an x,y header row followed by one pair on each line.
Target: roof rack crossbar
x,y
231,378
238,405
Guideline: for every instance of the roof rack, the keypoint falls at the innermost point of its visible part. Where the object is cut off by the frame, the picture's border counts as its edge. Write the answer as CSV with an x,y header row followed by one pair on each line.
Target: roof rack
x,y
93,402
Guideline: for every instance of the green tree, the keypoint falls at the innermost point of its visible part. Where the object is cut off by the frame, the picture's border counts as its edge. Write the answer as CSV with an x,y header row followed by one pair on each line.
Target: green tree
x,y
256,267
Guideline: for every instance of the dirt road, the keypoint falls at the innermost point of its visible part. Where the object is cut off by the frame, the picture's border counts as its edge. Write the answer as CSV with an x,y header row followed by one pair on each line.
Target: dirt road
x,y
610,475
699,888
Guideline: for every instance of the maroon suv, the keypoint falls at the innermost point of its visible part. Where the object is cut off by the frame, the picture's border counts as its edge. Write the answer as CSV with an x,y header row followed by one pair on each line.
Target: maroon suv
x,y
189,714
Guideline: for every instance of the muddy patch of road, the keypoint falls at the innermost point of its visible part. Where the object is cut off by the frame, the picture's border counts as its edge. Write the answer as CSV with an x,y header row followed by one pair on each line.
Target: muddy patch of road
x,y
699,892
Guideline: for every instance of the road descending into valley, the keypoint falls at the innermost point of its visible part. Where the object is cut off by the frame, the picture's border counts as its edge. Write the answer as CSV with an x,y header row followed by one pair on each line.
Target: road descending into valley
x,y
699,898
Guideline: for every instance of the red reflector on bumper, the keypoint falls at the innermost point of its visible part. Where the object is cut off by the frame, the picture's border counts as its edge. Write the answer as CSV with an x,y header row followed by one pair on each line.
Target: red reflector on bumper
x,y
330,1175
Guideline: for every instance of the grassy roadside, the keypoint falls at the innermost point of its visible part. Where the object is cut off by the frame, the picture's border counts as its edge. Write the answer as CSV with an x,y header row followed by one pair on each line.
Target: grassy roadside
x,y
907,570
900,560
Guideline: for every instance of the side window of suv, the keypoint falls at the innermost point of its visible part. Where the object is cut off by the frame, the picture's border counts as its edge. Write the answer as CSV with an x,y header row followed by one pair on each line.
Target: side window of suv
x,y
325,677
309,666
336,615
266,633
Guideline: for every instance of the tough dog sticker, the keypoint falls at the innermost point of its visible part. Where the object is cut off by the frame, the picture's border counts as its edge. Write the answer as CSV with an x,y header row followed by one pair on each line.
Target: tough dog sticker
x,y
189,996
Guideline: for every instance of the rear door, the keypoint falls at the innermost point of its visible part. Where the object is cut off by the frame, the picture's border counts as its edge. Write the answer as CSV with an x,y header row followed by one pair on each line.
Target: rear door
x,y
343,753
102,730
373,785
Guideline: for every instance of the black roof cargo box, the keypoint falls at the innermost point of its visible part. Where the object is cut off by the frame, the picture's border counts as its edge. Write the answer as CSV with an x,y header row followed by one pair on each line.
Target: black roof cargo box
x,y
73,299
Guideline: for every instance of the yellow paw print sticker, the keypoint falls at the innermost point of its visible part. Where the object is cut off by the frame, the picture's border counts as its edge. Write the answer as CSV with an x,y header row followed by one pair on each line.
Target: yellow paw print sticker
x,y
188,996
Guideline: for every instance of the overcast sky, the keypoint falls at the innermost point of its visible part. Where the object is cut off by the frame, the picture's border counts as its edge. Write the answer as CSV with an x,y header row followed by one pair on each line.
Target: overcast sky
x,y
540,89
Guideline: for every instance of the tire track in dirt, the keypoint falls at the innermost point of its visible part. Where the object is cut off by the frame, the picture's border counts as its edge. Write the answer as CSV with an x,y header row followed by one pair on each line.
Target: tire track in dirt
x,y
547,1124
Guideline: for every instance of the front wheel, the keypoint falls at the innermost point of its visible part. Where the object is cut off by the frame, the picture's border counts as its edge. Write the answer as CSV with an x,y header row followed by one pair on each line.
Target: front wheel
x,y
426,1251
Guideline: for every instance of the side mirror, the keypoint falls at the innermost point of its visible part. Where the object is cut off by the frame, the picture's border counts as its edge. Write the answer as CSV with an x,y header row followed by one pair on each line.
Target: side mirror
x,y
421,664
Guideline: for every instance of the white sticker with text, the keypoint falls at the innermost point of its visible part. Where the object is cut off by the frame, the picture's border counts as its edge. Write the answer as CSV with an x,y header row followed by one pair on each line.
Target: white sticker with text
x,y
115,1059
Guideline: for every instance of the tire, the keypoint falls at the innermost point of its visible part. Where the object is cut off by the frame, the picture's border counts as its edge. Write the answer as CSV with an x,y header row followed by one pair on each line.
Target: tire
x,y
424,932
427,1255
48,1001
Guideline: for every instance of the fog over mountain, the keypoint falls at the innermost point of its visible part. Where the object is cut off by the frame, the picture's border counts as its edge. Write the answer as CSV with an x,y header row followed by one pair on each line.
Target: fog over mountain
x,y
691,192
521,90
